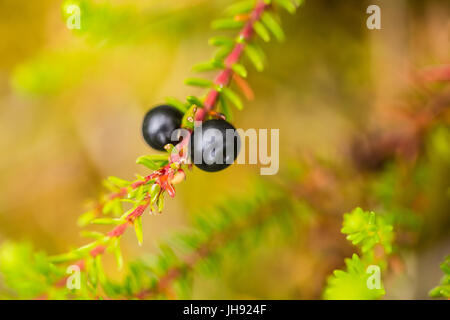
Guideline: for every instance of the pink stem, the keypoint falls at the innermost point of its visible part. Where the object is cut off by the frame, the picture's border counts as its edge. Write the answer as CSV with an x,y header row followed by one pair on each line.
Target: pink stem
x,y
224,77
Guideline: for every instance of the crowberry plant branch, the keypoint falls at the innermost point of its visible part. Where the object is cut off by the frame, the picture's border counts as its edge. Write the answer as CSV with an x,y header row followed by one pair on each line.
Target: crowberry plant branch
x,y
374,236
147,192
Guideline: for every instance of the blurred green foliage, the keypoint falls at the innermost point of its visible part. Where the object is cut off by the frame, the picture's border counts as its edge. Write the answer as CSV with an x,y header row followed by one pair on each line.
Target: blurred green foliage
x,y
443,290
352,283
366,230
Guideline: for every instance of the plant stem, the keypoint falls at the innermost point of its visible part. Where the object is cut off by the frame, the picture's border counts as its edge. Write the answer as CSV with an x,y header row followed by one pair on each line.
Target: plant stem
x,y
223,79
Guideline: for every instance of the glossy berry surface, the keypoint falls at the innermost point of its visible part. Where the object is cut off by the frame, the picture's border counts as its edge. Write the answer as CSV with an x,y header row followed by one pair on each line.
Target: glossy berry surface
x,y
210,149
158,125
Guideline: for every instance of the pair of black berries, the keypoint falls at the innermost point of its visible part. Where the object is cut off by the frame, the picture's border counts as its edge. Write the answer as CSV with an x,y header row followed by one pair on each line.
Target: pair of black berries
x,y
210,150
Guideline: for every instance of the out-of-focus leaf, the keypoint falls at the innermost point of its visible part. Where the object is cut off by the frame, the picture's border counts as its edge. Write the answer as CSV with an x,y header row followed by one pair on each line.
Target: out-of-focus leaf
x,y
92,234
271,23
240,7
288,5
225,109
176,104
154,192
107,221
366,230
352,283
233,97
154,161
222,24
221,41
443,290
240,70
255,57
121,183
194,100
160,203
222,52
198,82
208,66
261,30
138,229
86,218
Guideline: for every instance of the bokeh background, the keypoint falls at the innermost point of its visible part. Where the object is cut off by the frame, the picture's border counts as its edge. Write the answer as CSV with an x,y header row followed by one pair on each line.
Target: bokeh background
x,y
72,102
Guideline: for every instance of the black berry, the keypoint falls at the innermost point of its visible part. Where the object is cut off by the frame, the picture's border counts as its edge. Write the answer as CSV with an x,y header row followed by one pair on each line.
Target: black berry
x,y
211,150
158,125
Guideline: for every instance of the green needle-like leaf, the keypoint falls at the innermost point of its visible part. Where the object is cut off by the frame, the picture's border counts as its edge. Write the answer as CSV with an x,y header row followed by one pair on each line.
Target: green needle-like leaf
x,y
443,290
86,218
223,24
153,162
240,7
160,203
138,230
255,57
221,41
154,192
193,100
298,3
225,109
92,234
240,70
261,30
176,104
208,66
352,283
198,82
366,230
222,53
107,221
233,97
274,27
121,183
288,5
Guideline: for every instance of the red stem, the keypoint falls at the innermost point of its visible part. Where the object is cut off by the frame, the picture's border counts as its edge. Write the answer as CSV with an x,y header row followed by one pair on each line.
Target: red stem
x,y
224,77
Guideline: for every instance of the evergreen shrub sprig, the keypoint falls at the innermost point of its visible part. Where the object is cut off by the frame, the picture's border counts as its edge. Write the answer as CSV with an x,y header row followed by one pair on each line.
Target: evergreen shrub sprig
x,y
373,235
127,201
443,289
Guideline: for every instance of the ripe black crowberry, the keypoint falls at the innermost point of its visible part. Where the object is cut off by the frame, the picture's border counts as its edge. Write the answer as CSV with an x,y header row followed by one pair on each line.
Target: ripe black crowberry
x,y
214,145
158,125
